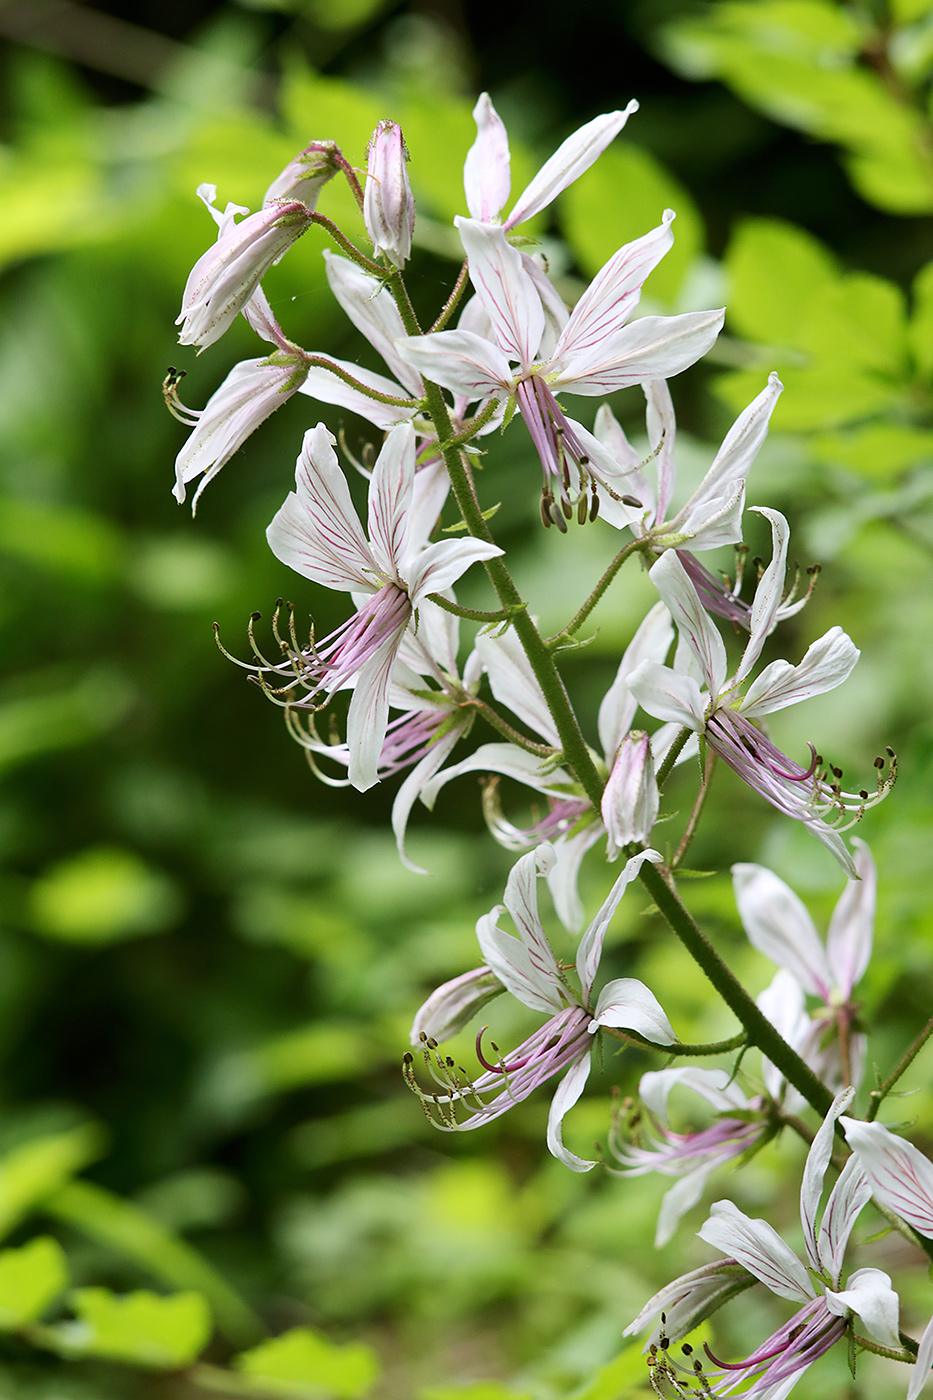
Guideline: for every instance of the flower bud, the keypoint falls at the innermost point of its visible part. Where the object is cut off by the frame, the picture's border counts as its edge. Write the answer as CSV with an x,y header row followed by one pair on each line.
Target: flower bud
x,y
224,278
388,205
306,175
447,1010
630,798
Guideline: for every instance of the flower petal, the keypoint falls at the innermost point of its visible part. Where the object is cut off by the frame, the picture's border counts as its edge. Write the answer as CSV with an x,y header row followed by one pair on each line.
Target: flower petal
x,y
849,940
629,1005
691,619
900,1175
668,695
827,663
486,174
390,493
921,1371
463,362
568,1092
779,925
651,642
759,1247
591,944
811,1187
654,347
870,1296
513,682
505,289
524,964
739,449
568,163
454,1003
370,306
851,1192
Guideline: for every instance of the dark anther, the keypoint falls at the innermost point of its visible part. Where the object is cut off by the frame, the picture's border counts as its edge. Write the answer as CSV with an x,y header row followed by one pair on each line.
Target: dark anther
x,y
836,772
632,501
879,762
255,616
594,505
407,1058
863,793
890,752
687,1349
584,461
566,507
581,510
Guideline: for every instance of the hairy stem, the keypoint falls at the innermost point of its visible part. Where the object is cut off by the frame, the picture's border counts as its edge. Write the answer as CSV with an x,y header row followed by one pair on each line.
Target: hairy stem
x,y
578,620
878,1095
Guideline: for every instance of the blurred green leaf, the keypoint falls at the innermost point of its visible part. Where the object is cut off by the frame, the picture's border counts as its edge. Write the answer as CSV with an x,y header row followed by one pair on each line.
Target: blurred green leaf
x,y
304,1363
181,573
103,895
34,1170
878,450
796,60
42,723
141,1327
313,1055
921,324
775,270
85,547
132,1232
30,1278
618,199
474,1390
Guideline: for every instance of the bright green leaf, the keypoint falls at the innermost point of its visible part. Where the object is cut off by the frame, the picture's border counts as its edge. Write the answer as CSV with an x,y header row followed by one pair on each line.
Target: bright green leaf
x,y
44,723
921,324
822,396
132,1232
103,895
33,1170
141,1327
30,1278
618,199
305,1363
858,322
775,269
63,539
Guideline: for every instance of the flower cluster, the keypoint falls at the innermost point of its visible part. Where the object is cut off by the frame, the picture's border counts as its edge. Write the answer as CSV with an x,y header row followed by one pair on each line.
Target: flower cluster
x,y
512,347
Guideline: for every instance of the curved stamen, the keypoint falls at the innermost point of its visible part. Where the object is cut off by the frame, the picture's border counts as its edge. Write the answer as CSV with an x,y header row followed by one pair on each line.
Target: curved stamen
x,y
502,1067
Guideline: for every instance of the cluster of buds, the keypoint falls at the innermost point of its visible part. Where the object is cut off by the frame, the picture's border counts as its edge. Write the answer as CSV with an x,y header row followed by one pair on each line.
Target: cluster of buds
x,y
514,345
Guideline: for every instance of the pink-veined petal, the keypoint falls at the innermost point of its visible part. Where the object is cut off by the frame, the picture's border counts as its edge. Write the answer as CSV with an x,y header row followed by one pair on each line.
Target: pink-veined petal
x,y
524,964
827,663
507,292
317,531
442,563
412,788
851,1192
567,1093
778,924
487,176
654,347
568,163
370,306
511,762
513,682
739,449
900,1175
662,434
668,695
591,944
691,620
714,1085
768,594
454,1003
461,361
612,296
390,493
870,1296
681,1197
851,928
629,1005
368,715
759,1247
811,1186
569,851
716,523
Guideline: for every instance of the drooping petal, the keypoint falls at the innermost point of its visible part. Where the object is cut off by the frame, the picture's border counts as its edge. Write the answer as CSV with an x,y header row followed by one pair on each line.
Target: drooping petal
x,y
368,715
487,176
630,799
827,663
435,568
759,1247
710,526
568,163
612,296
714,1085
851,928
654,347
681,1197
507,292
782,1001
900,1175
412,788
870,1296
811,1186
569,851
691,619
690,1299
568,1092
511,762
768,594
778,924
591,944
629,1005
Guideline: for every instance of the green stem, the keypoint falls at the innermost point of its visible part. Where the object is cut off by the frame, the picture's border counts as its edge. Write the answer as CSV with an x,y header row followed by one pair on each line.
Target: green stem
x,y
473,614
450,305
715,1047
877,1096
672,755
322,362
351,250
697,812
577,622
503,727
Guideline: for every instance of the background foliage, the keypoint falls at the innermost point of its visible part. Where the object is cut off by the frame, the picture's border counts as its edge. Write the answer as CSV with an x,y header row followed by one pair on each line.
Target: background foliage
x,y
208,962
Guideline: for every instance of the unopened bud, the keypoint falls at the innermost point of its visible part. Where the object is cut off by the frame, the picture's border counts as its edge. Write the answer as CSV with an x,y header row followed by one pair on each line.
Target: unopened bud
x,y
630,798
388,204
304,177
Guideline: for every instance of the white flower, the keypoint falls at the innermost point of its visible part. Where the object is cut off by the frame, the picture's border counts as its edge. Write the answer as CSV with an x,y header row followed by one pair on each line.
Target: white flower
x,y
388,206
525,965
900,1175
318,534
